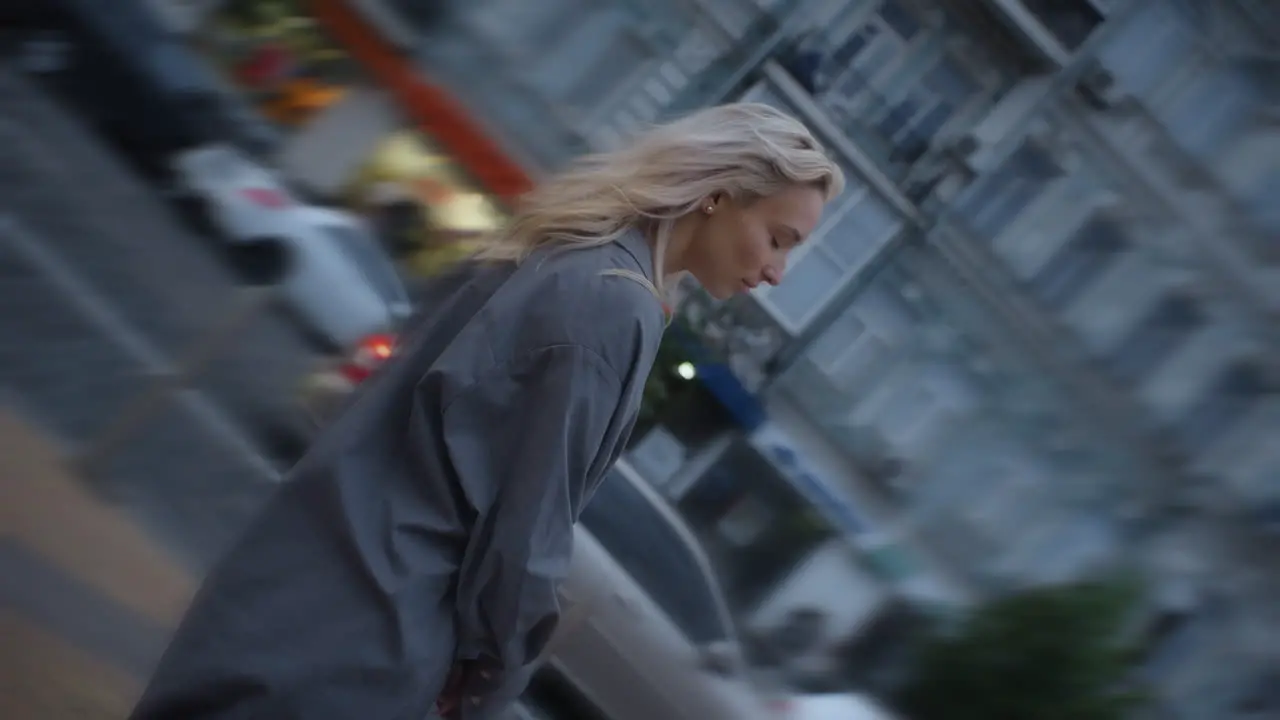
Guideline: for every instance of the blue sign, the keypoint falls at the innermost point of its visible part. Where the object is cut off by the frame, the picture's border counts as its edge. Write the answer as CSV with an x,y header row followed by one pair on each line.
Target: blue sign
x,y
774,445
744,406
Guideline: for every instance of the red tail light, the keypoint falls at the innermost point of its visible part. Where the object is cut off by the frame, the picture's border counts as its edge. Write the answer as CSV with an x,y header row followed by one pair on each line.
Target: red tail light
x,y
367,357
267,198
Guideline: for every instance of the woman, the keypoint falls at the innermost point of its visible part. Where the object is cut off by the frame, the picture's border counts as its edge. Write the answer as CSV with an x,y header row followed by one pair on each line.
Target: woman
x,y
411,560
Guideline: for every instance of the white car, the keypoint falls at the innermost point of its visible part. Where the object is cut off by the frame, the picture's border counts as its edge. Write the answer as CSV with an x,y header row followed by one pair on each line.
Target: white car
x,y
333,272
647,632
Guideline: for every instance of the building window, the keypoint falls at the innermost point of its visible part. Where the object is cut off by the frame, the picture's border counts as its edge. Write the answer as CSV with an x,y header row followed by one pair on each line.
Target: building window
x,y
1150,45
849,354
1071,551
855,89
526,28
1078,264
909,407
1168,639
419,16
1235,392
755,524
899,19
999,199
1210,109
1265,202
871,47
911,122
850,237
1070,22
1155,338
594,55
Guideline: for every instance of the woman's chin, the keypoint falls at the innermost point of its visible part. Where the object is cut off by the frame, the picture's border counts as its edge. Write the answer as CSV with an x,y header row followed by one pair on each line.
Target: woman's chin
x,y
720,292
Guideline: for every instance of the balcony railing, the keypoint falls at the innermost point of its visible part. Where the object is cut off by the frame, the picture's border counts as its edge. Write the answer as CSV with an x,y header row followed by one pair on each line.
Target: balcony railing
x,y
761,39
894,149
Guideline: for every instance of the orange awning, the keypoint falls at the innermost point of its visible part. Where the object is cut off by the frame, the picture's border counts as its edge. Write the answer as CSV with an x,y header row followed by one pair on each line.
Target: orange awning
x,y
429,106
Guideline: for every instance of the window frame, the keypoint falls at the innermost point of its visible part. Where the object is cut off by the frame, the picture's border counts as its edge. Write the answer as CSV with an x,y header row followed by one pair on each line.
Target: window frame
x,y
1220,395
977,204
1131,360
845,271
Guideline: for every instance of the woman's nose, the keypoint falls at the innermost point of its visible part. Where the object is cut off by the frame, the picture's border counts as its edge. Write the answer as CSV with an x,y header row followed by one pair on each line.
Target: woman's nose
x,y
772,275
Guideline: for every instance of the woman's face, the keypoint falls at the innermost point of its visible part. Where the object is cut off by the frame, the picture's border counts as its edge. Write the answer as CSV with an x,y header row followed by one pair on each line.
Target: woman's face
x,y
736,246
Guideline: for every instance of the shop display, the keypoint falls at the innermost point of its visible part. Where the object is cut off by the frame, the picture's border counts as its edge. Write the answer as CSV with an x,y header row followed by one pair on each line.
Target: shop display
x,y
280,57
427,212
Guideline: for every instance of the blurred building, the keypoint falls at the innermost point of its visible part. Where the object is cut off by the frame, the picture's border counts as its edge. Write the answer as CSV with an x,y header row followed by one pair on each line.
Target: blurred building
x,y
318,71
1036,338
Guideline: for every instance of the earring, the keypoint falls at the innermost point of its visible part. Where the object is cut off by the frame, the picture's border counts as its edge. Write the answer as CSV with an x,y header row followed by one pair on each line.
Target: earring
x,y
709,209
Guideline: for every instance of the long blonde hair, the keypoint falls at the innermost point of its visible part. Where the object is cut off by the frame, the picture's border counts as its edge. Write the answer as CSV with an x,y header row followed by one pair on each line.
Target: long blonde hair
x,y
744,150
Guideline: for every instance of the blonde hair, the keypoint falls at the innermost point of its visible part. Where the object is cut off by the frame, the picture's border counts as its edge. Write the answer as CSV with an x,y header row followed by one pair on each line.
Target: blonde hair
x,y
743,150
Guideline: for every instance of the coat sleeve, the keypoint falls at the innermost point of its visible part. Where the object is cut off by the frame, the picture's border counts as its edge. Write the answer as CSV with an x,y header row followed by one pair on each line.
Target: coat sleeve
x,y
524,442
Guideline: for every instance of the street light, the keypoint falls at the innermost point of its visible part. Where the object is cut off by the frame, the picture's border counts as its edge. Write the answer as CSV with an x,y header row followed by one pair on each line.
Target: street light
x,y
686,370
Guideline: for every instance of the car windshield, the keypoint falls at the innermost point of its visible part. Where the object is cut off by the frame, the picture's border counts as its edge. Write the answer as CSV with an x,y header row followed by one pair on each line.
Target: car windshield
x,y
660,559
360,248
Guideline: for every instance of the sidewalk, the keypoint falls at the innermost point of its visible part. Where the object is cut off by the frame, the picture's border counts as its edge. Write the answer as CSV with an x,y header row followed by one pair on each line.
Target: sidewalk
x,y
86,600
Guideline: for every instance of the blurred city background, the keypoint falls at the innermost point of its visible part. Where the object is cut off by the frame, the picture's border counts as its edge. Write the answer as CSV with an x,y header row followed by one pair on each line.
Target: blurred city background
x,y
1002,445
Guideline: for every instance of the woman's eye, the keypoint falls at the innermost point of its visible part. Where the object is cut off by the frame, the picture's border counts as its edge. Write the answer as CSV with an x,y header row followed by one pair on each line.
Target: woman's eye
x,y
773,240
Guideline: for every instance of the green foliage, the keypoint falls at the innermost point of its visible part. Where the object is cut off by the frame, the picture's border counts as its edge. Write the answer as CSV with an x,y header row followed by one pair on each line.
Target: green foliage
x,y
663,383
1051,653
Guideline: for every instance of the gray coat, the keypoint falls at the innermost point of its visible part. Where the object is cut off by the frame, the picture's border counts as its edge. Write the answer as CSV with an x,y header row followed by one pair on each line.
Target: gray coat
x,y
432,521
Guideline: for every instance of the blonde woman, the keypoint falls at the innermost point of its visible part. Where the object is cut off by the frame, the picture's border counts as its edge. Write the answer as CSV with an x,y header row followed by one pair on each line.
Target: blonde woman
x,y
411,559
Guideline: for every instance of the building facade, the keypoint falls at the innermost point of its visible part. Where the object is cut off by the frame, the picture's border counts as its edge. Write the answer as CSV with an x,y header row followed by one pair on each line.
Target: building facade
x,y
1037,335
1035,338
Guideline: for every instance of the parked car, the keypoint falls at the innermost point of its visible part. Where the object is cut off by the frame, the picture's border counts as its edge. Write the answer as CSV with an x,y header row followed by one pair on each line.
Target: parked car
x,y
122,72
335,277
324,389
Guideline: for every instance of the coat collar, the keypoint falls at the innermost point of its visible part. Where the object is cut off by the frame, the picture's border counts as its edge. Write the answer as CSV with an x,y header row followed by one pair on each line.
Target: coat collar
x,y
639,248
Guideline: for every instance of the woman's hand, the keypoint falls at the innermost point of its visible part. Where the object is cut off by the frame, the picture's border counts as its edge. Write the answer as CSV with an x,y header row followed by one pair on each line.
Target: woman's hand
x,y
449,702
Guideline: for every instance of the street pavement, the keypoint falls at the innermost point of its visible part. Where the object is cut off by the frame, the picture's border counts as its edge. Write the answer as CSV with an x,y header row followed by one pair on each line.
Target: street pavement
x,y
102,288
86,599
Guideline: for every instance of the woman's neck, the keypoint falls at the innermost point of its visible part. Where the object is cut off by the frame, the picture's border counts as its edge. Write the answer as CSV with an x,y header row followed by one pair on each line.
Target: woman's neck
x,y
682,231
